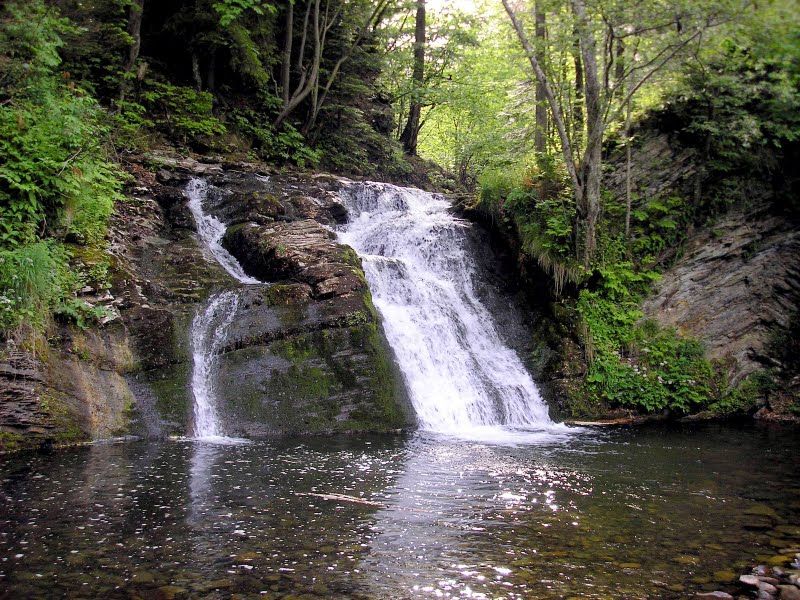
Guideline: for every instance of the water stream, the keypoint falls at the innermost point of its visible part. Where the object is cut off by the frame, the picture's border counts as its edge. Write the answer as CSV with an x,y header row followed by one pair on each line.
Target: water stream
x,y
210,325
209,328
462,378
211,231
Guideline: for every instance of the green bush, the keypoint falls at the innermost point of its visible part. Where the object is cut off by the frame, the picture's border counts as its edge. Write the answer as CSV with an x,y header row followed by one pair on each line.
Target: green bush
x,y
57,184
636,363
536,202
31,281
182,112
288,144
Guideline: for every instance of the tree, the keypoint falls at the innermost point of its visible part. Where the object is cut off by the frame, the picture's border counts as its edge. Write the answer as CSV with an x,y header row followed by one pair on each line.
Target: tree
x,y
411,131
540,143
135,14
667,34
311,83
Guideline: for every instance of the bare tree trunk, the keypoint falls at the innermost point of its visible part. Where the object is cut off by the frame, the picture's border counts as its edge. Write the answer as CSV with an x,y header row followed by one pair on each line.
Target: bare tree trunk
x,y
135,13
410,133
540,140
211,78
318,99
628,183
593,156
198,81
308,81
286,63
555,109
577,112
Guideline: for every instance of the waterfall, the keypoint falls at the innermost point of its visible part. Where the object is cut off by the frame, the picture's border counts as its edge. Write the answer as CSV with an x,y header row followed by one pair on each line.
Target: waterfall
x,y
210,326
462,378
211,231
209,329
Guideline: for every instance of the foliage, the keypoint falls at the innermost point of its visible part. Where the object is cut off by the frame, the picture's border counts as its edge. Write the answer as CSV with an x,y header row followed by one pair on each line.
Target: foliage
x,y
747,395
29,283
286,145
740,107
56,182
537,204
182,111
230,10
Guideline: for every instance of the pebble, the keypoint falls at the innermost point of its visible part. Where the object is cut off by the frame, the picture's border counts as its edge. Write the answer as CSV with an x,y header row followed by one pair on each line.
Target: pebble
x,y
789,592
767,587
714,595
750,580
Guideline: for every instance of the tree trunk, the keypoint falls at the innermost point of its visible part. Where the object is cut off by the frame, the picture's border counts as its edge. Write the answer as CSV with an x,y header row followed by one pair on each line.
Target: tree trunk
x,y
555,108
577,110
286,64
592,180
411,130
309,81
540,140
211,77
135,13
628,182
198,81
591,166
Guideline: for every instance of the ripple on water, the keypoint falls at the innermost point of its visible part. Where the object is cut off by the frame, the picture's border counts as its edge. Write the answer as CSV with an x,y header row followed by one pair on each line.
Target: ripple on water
x,y
634,513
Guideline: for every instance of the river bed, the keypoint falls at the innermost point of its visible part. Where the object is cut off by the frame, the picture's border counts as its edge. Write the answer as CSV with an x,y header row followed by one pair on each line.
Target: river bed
x,y
626,513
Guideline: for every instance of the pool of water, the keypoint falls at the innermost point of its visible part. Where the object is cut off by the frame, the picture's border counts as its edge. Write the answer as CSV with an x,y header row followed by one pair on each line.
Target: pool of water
x,y
628,513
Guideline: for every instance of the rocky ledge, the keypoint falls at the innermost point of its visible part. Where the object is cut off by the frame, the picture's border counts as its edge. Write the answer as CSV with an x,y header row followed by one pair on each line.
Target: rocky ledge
x,y
304,354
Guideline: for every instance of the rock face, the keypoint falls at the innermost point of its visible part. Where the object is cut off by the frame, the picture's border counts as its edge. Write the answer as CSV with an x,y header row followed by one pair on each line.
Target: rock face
x,y
734,284
304,354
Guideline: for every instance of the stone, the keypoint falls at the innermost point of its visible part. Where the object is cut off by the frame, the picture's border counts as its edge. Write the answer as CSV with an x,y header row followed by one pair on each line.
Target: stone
x,y
171,592
714,595
750,580
789,592
142,577
761,510
767,587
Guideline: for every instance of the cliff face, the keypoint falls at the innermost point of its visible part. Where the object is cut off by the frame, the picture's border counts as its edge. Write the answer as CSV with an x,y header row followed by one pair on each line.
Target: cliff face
x,y
734,285
303,355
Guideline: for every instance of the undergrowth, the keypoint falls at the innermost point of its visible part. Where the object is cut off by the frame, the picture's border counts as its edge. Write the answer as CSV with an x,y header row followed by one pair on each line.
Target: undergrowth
x,y
57,184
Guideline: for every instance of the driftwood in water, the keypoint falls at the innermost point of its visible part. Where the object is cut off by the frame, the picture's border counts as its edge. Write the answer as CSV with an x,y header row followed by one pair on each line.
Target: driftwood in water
x,y
342,498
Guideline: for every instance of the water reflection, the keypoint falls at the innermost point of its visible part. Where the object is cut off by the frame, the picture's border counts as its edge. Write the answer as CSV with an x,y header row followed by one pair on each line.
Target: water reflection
x,y
637,514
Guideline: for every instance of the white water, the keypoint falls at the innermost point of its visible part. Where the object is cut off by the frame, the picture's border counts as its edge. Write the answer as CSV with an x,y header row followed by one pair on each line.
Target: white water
x,y
209,328
462,379
212,230
208,335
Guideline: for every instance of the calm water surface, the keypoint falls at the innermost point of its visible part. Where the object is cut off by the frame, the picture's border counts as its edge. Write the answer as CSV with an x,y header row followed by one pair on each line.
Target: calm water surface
x,y
629,513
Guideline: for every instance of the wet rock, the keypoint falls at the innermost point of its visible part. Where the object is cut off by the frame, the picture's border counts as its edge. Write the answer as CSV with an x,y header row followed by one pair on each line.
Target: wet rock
x,y
302,251
789,592
763,586
714,595
171,592
749,580
761,510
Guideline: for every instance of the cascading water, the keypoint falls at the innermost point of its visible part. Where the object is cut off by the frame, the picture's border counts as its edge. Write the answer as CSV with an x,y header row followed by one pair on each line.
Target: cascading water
x,y
212,230
209,327
461,377
208,335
